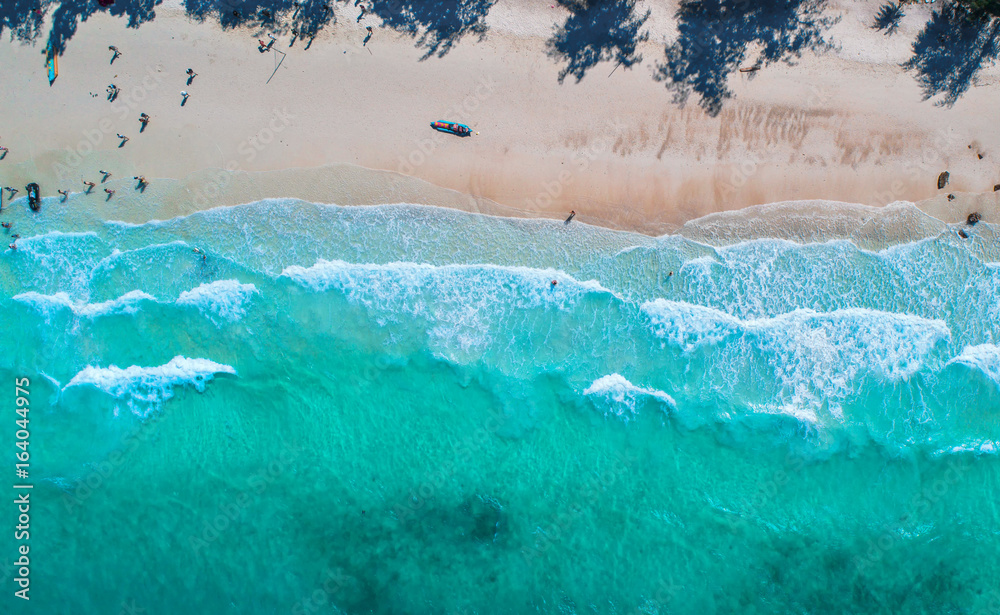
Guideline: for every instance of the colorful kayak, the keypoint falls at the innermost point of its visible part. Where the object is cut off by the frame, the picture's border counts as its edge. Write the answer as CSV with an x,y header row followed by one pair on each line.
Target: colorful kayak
x,y
452,127
52,63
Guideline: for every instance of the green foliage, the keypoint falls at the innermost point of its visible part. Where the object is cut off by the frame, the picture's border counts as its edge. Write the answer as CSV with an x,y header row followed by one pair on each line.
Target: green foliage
x,y
991,7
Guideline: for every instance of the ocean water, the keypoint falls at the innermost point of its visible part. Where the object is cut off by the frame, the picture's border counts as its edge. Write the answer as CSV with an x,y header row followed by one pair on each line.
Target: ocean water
x,y
394,410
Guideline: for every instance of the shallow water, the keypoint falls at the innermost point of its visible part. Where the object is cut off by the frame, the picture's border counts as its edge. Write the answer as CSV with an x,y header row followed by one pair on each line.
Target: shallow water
x,y
394,410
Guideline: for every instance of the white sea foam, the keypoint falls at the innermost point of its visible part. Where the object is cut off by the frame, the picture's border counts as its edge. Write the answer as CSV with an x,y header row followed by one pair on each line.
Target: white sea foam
x,y
146,388
621,396
222,299
813,355
462,303
984,357
50,305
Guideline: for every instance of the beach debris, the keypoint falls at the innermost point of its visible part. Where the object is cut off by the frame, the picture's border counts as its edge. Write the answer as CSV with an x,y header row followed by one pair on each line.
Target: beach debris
x,y
973,218
943,179
34,196
963,234
951,197
749,69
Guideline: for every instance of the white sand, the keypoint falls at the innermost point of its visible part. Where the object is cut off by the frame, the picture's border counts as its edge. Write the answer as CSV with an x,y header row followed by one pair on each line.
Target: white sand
x,y
848,125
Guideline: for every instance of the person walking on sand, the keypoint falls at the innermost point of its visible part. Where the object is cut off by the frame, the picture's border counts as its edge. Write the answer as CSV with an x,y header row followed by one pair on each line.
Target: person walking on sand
x,y
191,75
184,96
89,185
110,192
143,119
114,50
124,141
12,191
106,174
64,193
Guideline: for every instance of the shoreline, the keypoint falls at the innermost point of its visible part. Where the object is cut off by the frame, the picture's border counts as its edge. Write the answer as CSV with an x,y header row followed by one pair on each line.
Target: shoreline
x,y
803,222
544,148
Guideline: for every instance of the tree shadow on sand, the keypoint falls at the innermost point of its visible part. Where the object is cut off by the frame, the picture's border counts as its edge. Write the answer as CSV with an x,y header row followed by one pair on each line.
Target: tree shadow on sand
x,y
21,19
436,24
714,36
888,18
597,31
239,13
949,52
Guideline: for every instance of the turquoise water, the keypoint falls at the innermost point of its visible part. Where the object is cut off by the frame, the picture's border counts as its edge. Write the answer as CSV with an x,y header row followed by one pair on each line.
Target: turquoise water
x,y
394,410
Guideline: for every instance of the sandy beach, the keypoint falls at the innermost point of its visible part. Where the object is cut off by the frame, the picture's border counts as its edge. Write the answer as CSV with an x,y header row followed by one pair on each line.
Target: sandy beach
x,y
347,123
